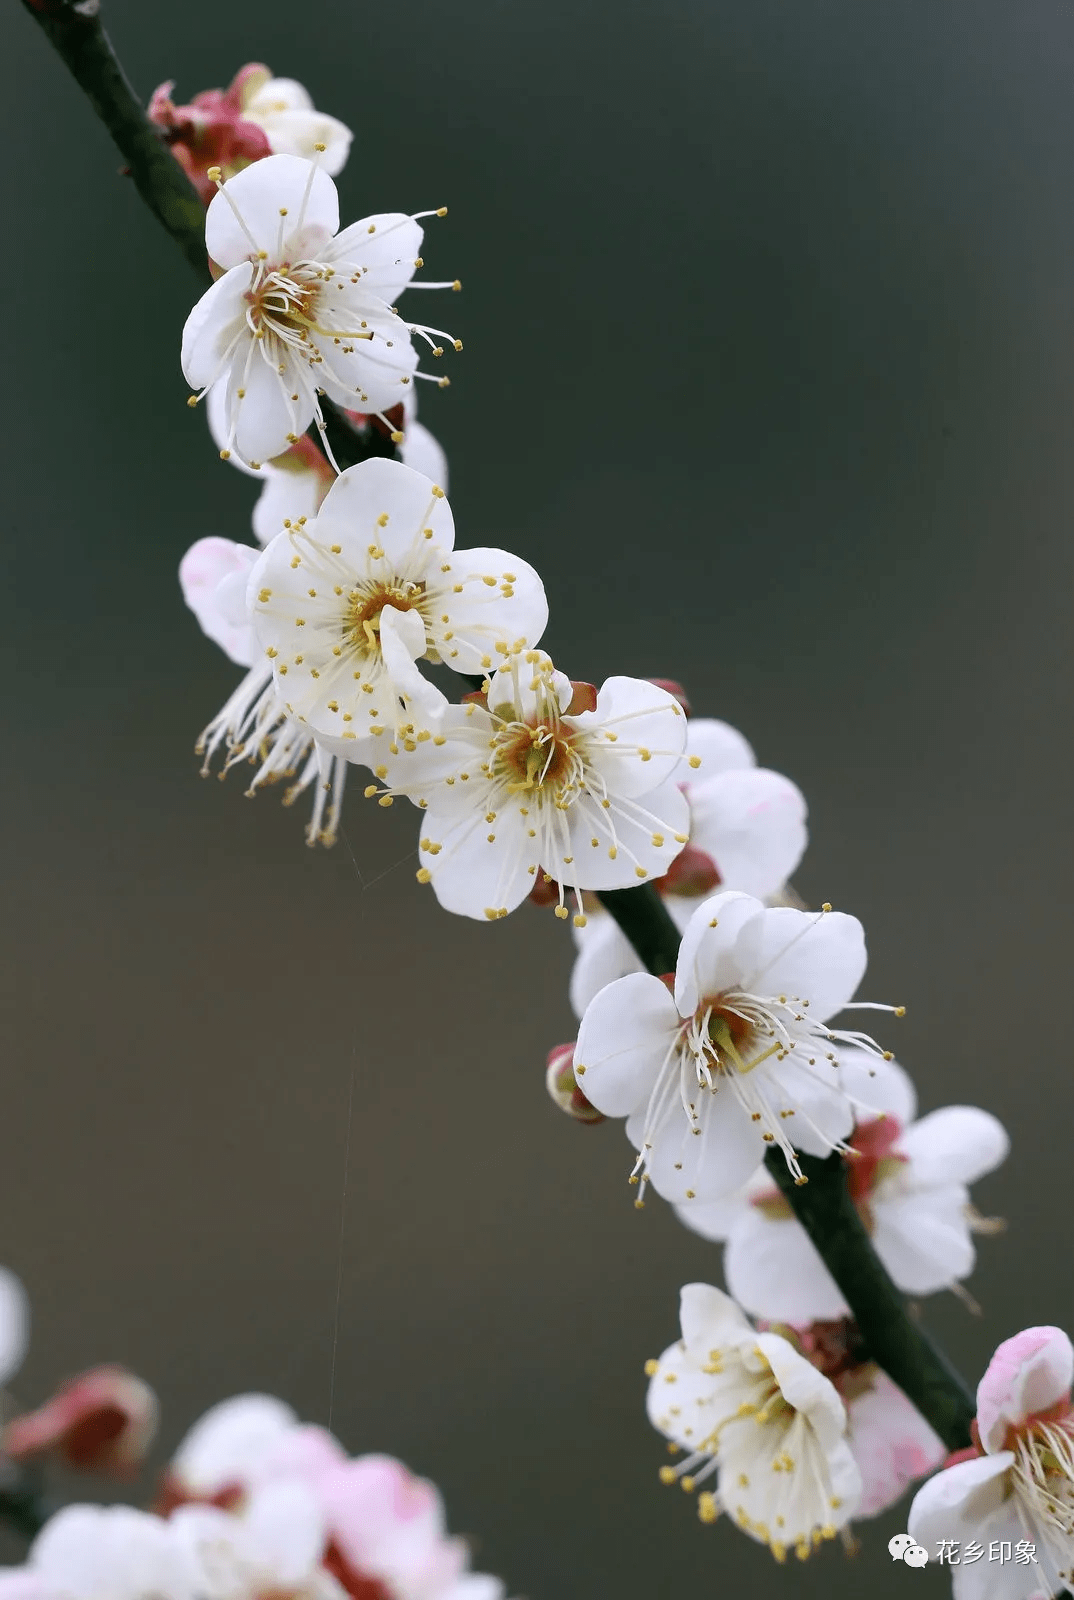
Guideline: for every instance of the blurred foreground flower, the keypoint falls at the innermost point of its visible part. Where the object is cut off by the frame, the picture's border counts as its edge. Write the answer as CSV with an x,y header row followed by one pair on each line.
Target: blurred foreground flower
x,y
102,1421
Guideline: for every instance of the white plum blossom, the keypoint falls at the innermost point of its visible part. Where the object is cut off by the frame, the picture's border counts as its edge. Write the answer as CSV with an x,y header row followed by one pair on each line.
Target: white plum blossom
x,y
105,1553
538,773
1017,1484
300,308
345,605
741,1057
890,1440
254,723
909,1181
747,831
285,113
748,1407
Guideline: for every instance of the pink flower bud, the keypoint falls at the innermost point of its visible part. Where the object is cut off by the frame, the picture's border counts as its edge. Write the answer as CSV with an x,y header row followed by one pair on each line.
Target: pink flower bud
x,y
102,1421
563,1088
211,131
691,873
674,689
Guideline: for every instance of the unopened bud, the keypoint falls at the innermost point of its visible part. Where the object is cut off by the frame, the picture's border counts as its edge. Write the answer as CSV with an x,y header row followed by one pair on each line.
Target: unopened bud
x,y
674,689
691,873
563,1087
102,1421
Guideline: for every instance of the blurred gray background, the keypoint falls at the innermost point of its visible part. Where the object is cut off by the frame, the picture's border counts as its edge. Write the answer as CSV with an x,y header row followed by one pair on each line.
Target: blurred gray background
x,y
769,367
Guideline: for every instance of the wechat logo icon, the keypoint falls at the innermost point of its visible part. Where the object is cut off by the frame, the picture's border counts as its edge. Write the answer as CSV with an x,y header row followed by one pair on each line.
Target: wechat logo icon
x,y
905,1549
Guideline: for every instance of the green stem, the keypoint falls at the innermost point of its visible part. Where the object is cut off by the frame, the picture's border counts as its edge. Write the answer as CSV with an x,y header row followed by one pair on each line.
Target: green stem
x,y
825,1210
76,33
890,1336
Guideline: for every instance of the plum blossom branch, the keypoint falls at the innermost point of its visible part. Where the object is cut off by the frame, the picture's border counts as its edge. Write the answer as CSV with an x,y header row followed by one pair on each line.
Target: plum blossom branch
x,y
826,1211
75,31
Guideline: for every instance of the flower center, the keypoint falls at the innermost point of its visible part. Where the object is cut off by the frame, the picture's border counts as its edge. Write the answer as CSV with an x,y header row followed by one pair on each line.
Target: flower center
x,y
535,756
283,304
367,601
1043,1474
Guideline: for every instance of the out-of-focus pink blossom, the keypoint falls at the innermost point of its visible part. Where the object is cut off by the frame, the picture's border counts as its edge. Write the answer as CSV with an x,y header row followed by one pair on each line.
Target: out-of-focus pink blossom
x,y
102,1421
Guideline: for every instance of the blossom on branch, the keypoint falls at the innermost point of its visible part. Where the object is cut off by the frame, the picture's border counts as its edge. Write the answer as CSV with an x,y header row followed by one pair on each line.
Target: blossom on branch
x,y
254,724
345,606
747,831
909,1181
257,115
538,772
1016,1486
890,1440
740,1057
300,309
749,1408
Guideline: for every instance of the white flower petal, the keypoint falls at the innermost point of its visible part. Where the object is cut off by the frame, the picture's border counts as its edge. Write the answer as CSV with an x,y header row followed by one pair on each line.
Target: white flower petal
x,y
814,956
626,834
892,1443
708,955
924,1239
604,954
287,495
471,875
721,747
360,497
287,1529
298,132
752,823
210,330
228,1442
709,1318
875,1087
484,615
384,248
424,454
265,416
957,1144
684,1165
955,1503
773,1269
281,201
402,643
213,576
624,1036
640,715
